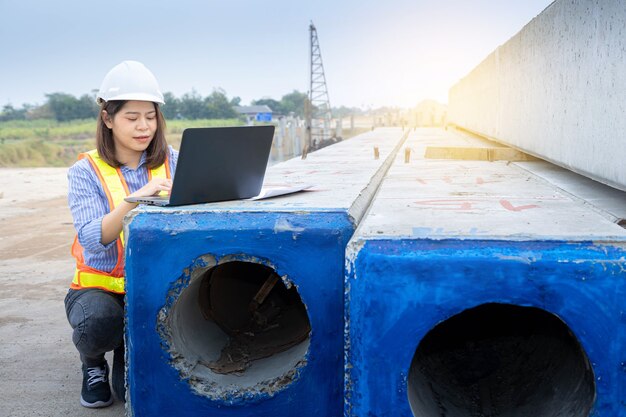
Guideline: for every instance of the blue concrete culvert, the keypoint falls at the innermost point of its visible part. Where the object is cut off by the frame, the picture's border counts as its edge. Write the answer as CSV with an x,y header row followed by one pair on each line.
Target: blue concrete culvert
x,y
451,327
194,347
171,343
532,276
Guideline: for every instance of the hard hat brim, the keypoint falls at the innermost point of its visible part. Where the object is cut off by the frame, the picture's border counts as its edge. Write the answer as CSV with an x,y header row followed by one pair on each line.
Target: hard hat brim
x,y
133,96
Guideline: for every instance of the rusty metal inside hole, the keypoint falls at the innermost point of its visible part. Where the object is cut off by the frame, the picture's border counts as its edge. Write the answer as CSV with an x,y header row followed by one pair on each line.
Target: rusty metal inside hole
x,y
252,305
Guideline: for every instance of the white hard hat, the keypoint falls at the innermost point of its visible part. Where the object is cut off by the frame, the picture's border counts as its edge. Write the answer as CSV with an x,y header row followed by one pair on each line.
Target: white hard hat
x,y
130,80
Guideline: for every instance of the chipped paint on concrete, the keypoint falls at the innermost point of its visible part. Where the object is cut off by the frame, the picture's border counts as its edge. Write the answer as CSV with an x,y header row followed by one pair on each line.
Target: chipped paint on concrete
x,y
283,225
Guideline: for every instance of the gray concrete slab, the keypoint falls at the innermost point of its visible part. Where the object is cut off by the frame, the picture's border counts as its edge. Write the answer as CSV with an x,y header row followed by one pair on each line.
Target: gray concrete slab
x,y
556,90
608,201
442,199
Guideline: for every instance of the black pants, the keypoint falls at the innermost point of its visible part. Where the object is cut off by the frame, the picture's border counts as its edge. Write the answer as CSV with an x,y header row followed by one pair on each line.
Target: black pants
x,y
97,317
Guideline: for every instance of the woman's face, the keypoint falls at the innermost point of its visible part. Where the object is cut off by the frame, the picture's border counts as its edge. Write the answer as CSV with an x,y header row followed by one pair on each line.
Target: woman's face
x,y
133,126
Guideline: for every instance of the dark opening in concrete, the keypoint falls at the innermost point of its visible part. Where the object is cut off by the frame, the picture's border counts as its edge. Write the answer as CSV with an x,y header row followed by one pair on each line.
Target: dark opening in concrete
x,y
237,330
503,361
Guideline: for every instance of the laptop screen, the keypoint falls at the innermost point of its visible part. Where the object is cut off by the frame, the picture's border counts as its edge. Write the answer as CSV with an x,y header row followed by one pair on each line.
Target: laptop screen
x,y
221,163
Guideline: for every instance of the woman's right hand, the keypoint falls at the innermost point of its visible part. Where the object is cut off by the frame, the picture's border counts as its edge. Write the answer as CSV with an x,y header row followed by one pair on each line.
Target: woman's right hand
x,y
154,187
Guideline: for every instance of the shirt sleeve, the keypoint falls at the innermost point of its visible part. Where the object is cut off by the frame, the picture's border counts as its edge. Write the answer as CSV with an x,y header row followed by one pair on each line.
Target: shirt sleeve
x,y
173,161
88,204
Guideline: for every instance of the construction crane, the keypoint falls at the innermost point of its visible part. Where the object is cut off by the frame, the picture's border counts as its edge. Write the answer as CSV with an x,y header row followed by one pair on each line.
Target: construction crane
x,y
317,108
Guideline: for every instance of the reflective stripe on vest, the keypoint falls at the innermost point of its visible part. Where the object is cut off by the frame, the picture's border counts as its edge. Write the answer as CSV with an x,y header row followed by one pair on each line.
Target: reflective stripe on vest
x,y
116,189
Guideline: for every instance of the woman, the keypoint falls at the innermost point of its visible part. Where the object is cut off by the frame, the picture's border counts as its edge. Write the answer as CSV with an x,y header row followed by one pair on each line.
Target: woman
x,y
132,158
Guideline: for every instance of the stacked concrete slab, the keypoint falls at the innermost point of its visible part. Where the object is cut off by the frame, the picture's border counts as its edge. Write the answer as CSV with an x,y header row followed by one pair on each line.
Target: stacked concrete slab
x,y
556,90
478,288
181,264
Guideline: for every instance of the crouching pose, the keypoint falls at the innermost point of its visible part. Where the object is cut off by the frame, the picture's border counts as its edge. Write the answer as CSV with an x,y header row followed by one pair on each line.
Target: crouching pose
x,y
131,158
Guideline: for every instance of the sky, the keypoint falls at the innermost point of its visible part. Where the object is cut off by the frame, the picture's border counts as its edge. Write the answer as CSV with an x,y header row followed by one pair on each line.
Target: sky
x,y
375,53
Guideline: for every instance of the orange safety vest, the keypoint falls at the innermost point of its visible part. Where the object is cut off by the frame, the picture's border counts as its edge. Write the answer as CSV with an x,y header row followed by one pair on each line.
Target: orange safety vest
x,y
116,190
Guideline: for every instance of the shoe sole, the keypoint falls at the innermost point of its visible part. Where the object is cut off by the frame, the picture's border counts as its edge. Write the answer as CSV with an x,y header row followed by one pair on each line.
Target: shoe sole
x,y
97,404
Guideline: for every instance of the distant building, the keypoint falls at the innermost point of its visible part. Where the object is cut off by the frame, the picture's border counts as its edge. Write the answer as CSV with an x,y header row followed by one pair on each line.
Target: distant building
x,y
255,113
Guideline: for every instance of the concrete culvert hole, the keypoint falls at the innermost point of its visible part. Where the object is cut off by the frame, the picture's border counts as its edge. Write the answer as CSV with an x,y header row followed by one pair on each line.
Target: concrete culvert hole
x,y
501,360
237,330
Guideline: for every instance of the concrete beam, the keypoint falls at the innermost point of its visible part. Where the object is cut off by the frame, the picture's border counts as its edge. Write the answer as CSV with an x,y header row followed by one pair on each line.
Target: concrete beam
x,y
556,90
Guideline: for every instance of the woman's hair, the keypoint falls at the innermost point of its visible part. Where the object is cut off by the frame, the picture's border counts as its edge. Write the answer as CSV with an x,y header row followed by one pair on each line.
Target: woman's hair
x,y
157,150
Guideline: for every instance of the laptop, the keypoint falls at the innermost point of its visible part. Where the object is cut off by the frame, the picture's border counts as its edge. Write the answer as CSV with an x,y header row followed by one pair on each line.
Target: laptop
x,y
217,164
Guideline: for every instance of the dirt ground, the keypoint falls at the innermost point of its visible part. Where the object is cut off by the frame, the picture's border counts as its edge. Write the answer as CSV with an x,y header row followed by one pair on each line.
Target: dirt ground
x,y
39,366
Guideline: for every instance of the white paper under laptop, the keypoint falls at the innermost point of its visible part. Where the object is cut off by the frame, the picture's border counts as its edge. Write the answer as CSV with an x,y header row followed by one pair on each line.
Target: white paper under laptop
x,y
270,191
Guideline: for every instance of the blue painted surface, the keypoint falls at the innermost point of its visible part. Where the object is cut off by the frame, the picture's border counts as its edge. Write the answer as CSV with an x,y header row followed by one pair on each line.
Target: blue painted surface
x,y
308,248
263,117
398,290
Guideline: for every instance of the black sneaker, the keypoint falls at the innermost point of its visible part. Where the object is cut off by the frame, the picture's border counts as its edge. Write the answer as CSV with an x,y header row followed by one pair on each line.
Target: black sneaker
x,y
96,392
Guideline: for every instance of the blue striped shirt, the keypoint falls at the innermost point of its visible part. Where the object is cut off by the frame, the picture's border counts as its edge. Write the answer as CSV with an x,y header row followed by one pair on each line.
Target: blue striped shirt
x,y
89,204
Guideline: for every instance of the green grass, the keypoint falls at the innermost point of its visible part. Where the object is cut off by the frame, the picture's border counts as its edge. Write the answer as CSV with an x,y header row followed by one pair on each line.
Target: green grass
x,y
39,143
47,143
46,129
40,153
175,127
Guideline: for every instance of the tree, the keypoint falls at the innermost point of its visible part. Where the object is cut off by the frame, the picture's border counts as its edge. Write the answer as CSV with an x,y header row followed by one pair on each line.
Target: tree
x,y
269,102
218,106
171,108
62,106
87,107
66,107
11,113
39,112
294,102
235,101
192,105
289,103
